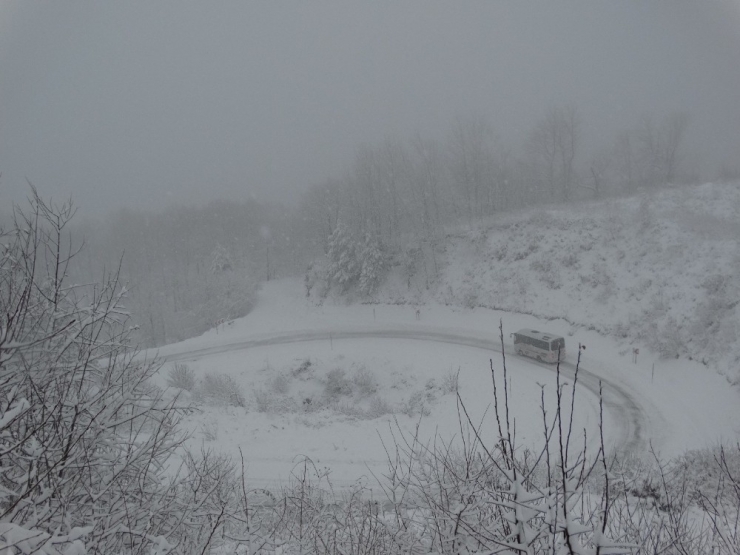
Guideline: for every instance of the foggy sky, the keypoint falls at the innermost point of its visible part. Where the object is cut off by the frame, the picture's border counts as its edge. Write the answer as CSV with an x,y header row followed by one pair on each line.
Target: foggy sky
x,y
146,104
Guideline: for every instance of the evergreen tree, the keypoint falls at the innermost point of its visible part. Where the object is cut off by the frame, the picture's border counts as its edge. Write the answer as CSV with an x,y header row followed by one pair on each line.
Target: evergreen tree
x,y
344,267
373,265
220,260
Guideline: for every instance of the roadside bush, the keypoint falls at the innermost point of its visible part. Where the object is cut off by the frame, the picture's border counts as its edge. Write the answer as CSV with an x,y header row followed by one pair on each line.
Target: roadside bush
x,y
303,370
470,298
415,405
348,408
280,384
364,381
220,389
378,407
182,377
337,384
271,403
263,400
450,382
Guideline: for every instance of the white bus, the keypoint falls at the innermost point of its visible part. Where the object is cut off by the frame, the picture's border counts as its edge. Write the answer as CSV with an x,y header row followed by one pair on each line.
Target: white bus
x,y
539,344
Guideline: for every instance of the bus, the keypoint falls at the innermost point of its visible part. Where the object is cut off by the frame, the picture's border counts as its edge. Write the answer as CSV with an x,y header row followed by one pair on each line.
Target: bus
x,y
540,345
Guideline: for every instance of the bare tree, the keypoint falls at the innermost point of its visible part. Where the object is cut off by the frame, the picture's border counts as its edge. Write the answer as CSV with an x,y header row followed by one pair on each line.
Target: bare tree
x,y
84,438
660,148
470,147
649,153
552,149
427,182
394,174
674,129
625,160
599,168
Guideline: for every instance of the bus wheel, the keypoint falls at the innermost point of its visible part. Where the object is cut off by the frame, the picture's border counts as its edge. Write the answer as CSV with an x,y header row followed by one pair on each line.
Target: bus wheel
x,y
520,353
539,358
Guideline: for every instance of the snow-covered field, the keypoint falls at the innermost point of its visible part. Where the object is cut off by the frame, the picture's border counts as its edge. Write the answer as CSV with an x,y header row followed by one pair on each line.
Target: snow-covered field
x,y
334,383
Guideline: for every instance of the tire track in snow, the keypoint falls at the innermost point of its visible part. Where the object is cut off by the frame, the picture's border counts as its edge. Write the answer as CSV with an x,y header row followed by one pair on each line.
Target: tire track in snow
x,y
621,407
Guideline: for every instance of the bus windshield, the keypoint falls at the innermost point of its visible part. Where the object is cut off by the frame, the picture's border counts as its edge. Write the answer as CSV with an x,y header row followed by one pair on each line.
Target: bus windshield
x,y
557,344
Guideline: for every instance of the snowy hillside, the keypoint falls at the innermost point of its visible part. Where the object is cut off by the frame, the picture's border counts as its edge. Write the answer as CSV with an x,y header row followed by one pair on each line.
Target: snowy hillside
x,y
319,398
659,271
310,394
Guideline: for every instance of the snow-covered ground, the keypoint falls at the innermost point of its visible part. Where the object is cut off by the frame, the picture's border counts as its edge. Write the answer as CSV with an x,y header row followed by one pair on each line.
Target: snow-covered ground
x,y
332,382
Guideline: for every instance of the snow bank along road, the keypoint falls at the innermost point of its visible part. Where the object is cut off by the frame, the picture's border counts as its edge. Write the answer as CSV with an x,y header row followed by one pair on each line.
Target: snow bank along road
x,y
623,410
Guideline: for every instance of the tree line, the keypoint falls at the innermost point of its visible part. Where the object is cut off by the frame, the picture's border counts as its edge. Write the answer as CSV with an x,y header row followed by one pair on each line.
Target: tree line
x,y
187,267
421,184
396,195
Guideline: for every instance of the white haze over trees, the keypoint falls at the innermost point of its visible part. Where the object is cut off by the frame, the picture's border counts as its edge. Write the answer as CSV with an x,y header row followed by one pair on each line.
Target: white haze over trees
x,y
140,105
575,162
393,193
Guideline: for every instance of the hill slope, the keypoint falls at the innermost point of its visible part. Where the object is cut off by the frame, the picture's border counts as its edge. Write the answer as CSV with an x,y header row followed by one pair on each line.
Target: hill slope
x,y
661,270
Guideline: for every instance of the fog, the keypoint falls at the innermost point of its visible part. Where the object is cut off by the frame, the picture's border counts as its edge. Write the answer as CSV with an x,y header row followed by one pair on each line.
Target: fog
x,y
298,224
148,105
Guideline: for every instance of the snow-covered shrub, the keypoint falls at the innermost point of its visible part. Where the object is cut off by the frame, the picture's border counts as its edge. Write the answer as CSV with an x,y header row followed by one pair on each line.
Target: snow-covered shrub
x,y
569,260
220,389
547,271
364,381
304,370
314,404
715,285
336,383
451,382
621,329
271,403
640,289
264,400
416,405
181,376
525,250
470,297
499,251
348,408
280,384
598,277
664,337
378,407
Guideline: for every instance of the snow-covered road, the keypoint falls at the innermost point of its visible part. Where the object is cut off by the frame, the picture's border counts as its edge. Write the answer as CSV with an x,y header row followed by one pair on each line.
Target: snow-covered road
x,y
667,406
625,412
